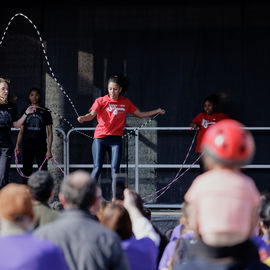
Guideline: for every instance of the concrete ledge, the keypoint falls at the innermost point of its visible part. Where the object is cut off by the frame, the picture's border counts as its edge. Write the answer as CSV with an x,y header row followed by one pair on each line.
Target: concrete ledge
x,y
165,221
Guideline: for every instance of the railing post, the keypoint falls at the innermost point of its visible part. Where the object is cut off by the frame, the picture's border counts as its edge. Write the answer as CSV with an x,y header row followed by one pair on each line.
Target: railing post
x,y
68,150
137,160
64,147
65,153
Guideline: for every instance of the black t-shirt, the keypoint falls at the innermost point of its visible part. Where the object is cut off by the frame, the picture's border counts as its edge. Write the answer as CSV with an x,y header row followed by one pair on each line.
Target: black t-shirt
x,y
8,115
35,126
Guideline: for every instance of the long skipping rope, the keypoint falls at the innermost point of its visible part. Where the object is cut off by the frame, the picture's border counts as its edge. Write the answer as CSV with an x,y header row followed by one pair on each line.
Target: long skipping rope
x,y
177,177
55,79
44,52
49,66
62,89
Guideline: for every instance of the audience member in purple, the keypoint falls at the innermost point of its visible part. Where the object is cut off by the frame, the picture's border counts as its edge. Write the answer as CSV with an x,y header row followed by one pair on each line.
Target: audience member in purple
x,y
19,249
142,248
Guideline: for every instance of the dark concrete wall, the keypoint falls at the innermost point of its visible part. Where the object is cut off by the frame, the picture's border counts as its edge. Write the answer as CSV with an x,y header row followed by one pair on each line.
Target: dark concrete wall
x,y
174,55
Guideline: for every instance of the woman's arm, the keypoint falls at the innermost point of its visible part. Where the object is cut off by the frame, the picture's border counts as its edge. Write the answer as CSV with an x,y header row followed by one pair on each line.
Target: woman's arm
x,y
194,125
49,143
18,123
140,114
19,140
141,226
87,117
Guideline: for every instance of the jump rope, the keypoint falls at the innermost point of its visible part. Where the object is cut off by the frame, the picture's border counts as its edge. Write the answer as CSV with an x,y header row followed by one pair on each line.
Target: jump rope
x,y
39,169
128,134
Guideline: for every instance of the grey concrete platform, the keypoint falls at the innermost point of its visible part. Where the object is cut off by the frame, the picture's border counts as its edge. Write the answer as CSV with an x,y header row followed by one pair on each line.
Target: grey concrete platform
x,y
165,220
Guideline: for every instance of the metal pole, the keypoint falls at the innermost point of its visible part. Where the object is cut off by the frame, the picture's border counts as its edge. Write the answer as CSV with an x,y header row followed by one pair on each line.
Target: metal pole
x,y
126,140
137,160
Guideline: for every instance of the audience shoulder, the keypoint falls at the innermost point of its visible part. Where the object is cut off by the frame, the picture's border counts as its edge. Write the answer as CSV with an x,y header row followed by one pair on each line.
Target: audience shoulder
x,y
46,246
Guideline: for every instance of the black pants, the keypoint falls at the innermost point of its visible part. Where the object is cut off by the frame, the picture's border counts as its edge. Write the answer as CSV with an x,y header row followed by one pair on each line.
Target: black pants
x,y
29,154
5,160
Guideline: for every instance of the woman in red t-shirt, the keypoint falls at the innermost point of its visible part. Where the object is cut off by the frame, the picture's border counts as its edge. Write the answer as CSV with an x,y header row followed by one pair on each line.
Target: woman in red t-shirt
x,y
111,111
204,119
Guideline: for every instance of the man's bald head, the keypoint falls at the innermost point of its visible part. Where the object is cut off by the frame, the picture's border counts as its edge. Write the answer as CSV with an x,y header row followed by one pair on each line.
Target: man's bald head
x,y
79,190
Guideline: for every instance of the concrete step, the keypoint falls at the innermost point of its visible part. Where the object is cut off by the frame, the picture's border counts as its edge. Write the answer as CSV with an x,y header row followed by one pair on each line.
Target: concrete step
x,y
165,220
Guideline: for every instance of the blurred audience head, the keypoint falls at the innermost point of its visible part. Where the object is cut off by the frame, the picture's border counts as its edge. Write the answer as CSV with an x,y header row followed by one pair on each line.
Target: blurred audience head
x,y
116,218
264,214
16,205
78,190
101,209
57,205
41,185
94,209
227,144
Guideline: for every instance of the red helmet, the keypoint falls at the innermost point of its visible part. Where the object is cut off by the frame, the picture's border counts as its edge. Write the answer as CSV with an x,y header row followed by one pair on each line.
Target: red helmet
x,y
228,142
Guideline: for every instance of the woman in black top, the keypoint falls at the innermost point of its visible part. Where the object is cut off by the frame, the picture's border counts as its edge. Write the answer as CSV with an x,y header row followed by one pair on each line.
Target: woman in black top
x,y
33,135
8,118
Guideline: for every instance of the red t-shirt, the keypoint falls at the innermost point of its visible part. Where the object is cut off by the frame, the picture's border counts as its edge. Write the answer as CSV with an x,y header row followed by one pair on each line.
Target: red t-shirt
x,y
111,115
203,120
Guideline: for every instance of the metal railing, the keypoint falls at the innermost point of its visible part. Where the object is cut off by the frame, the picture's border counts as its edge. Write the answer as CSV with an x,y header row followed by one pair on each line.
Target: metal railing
x,y
137,165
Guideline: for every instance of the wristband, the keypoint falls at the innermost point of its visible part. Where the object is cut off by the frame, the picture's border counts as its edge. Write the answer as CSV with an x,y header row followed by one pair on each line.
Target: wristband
x,y
26,114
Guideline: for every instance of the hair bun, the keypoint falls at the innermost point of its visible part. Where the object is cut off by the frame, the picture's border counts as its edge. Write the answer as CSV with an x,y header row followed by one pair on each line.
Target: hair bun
x,y
121,80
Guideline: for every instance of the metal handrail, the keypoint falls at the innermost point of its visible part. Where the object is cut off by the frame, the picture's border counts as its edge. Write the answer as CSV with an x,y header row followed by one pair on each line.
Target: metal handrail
x,y
136,165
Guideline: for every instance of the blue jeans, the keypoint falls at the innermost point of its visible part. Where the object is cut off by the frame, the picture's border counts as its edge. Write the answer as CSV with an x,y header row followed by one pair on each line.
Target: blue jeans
x,y
111,144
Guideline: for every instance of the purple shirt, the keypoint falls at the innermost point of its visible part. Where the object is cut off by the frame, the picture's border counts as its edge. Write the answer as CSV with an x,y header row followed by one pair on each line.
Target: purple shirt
x,y
170,249
25,252
167,254
263,249
141,254
176,234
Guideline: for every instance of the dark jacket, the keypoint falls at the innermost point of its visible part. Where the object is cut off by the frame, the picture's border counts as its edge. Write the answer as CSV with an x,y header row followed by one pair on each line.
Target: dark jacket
x,y
43,214
86,243
200,256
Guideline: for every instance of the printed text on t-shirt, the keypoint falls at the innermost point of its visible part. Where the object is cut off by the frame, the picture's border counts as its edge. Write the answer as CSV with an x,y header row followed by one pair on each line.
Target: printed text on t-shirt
x,y
115,108
206,123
